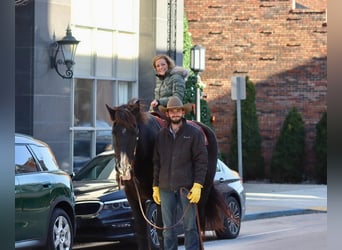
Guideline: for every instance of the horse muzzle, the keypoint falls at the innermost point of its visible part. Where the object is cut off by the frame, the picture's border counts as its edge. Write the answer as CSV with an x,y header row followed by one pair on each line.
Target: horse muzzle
x,y
124,167
126,175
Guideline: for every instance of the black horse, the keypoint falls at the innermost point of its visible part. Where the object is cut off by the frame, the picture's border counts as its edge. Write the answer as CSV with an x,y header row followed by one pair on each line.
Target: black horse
x,y
134,132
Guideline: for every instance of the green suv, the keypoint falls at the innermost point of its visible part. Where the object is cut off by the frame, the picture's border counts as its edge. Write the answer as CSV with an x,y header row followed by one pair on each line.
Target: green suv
x,y
44,198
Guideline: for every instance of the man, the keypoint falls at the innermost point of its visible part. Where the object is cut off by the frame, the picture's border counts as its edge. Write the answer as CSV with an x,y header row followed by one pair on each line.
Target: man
x,y
180,164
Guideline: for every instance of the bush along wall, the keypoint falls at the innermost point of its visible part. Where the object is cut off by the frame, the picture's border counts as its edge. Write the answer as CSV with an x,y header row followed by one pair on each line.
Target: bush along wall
x,y
320,148
288,155
187,43
252,160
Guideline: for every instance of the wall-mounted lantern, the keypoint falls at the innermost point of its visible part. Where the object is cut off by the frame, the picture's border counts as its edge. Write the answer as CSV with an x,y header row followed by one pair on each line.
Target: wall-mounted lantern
x,y
62,55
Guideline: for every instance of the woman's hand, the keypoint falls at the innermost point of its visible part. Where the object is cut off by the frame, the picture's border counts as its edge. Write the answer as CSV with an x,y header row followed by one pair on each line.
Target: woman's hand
x,y
154,104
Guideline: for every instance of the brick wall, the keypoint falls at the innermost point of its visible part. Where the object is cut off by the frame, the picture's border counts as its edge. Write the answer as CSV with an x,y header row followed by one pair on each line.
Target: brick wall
x,y
283,51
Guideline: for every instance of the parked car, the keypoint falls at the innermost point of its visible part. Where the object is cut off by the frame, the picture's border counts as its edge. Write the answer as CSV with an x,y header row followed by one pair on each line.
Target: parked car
x,y
44,198
103,212
83,142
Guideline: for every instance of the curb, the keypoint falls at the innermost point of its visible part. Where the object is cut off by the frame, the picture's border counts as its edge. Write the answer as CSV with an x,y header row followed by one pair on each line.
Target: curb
x,y
265,215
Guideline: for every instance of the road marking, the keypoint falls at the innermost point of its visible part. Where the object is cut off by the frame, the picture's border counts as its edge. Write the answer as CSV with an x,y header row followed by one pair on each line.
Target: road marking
x,y
297,196
269,232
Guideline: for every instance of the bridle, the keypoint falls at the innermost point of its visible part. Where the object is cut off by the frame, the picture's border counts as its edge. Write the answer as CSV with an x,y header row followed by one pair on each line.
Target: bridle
x,y
118,156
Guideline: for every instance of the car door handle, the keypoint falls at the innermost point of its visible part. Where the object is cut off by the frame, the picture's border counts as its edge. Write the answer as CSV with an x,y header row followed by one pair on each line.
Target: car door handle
x,y
46,185
221,180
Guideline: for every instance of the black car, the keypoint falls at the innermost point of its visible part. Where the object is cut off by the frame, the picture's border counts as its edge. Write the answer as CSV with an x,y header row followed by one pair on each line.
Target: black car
x,y
103,212
44,198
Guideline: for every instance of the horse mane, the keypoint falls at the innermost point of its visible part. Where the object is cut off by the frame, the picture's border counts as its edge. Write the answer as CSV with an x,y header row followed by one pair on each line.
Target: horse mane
x,y
129,115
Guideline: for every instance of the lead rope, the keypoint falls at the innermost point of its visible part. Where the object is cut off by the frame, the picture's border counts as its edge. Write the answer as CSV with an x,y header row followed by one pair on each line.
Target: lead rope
x,y
199,228
145,217
170,227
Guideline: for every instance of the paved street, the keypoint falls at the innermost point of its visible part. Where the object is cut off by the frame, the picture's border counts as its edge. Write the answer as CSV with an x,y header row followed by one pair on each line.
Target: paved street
x,y
271,200
266,200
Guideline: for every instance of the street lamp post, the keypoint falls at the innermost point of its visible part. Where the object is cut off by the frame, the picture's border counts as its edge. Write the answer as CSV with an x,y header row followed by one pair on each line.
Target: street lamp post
x,y
197,65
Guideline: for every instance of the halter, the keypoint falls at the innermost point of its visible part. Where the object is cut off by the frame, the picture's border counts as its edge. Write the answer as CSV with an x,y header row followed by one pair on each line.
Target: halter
x,y
132,163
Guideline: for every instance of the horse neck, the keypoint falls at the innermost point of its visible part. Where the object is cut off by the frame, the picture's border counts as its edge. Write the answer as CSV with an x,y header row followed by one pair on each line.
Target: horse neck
x,y
147,133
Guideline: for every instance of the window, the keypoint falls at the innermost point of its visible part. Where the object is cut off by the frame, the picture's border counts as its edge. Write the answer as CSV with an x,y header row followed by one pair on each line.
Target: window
x,y
45,157
106,69
24,161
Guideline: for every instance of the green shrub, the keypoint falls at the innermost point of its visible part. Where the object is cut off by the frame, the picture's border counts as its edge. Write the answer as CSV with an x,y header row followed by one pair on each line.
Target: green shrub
x,y
288,155
252,160
187,41
320,148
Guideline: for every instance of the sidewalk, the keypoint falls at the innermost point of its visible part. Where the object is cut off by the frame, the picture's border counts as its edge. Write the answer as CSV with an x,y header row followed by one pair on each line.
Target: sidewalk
x,y
264,200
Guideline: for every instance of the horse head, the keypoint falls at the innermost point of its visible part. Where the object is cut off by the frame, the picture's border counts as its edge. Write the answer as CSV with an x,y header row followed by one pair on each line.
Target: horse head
x,y
125,134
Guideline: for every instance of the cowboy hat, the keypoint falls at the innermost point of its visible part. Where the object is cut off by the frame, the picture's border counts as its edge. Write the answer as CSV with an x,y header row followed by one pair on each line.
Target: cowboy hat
x,y
175,103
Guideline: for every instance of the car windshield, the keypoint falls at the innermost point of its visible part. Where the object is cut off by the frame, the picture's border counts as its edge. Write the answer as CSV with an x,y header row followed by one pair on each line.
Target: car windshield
x,y
100,168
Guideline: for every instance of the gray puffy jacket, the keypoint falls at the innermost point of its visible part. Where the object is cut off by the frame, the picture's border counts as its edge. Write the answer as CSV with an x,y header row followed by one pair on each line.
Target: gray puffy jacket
x,y
172,84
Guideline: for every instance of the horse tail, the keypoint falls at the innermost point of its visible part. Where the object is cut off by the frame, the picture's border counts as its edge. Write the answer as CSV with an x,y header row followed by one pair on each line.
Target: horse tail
x,y
215,210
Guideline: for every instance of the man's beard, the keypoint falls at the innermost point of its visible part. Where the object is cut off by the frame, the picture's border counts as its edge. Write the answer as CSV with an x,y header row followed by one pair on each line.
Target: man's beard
x,y
176,120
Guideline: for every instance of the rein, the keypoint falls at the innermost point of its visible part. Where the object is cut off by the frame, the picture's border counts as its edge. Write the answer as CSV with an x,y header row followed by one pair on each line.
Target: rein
x,y
145,217
180,219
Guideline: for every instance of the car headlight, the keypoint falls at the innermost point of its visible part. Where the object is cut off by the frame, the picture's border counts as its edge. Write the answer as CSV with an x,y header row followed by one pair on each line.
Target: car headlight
x,y
117,204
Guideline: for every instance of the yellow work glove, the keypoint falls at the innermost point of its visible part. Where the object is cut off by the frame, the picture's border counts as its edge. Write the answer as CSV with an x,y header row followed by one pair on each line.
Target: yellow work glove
x,y
195,193
156,195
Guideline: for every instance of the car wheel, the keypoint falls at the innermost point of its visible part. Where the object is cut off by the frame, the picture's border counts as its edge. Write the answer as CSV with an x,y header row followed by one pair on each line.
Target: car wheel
x,y
60,232
152,232
232,223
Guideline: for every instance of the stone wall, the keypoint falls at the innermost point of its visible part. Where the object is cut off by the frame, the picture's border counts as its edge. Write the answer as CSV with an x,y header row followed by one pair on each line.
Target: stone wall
x,y
282,50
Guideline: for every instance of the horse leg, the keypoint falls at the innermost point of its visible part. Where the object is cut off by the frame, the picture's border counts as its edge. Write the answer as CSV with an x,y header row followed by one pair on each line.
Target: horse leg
x,y
140,225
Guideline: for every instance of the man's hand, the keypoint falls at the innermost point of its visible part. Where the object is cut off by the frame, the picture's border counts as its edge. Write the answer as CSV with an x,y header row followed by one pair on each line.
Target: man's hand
x,y
195,193
156,195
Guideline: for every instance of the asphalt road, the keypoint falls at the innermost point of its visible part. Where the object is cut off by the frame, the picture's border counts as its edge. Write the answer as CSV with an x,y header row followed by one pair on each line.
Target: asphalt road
x,y
289,216
298,232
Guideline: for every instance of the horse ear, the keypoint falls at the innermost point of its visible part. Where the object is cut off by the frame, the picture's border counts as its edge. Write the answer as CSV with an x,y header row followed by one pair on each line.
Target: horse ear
x,y
134,105
111,112
134,101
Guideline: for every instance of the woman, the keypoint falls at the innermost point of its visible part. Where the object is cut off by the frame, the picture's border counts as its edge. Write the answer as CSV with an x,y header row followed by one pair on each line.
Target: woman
x,y
170,80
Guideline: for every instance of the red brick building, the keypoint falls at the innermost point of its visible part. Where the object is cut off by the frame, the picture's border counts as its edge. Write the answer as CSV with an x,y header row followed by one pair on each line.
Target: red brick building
x,y
281,45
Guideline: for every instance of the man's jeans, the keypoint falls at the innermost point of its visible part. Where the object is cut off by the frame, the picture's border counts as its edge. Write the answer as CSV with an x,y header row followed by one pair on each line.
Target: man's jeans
x,y
169,201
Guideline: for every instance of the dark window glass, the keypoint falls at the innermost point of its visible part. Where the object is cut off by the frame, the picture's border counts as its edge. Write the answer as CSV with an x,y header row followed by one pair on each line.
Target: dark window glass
x,y
45,157
24,162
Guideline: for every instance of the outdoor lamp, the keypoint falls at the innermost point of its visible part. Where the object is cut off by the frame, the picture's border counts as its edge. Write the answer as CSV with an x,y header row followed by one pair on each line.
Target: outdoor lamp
x,y
197,64
197,61
63,53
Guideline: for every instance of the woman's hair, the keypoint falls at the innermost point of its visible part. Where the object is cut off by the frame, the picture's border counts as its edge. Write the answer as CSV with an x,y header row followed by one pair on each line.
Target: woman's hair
x,y
169,61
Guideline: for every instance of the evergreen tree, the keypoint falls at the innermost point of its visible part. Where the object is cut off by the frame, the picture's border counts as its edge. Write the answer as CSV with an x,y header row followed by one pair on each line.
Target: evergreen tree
x,y
187,41
252,160
320,148
287,158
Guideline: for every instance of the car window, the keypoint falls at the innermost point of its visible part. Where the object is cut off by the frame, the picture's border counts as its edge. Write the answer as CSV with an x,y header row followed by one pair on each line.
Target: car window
x,y
45,157
101,168
24,162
